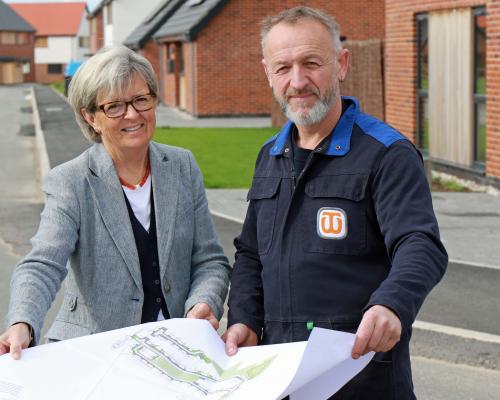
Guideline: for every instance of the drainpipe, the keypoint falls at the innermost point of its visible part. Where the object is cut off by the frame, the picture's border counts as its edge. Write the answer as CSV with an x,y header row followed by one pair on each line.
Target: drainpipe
x,y
161,71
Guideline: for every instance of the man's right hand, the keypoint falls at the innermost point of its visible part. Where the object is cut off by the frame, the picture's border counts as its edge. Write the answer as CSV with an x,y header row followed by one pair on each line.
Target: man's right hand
x,y
14,339
239,335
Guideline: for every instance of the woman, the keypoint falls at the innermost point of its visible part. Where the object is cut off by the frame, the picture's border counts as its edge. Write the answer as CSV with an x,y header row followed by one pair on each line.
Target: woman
x,y
129,214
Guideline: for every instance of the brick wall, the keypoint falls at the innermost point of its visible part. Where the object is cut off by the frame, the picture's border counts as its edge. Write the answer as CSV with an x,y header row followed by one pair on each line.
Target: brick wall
x,y
25,51
229,76
151,51
42,75
96,32
400,68
493,90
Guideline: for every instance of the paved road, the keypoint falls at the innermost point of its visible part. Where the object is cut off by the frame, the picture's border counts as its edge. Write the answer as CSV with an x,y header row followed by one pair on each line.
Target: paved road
x,y
20,199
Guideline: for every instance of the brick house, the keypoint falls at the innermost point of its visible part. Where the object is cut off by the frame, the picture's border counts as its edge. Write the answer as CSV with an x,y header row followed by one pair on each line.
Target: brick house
x,y
112,21
61,36
16,47
442,82
141,38
210,51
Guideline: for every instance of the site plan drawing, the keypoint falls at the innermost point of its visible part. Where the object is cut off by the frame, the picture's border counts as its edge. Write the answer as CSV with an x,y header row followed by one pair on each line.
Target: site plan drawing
x,y
179,359
167,354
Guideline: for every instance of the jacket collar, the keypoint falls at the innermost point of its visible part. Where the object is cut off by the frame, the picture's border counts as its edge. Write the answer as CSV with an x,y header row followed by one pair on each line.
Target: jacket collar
x,y
339,139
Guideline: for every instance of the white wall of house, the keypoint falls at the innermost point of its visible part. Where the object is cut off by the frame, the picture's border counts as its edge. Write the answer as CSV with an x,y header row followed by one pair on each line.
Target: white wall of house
x,y
108,35
78,52
58,50
126,16
63,49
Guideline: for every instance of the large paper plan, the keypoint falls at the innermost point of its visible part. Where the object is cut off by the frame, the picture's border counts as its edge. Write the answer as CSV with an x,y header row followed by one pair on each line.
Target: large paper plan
x,y
179,359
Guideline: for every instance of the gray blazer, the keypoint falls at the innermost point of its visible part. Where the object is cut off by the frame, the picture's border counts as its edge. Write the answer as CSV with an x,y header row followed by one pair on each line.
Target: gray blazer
x,y
85,220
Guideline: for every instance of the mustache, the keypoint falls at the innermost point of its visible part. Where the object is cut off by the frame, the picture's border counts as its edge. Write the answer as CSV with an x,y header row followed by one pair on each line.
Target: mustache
x,y
294,92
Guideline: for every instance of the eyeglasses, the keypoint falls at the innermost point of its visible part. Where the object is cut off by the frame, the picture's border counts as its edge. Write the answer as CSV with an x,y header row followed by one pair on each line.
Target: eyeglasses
x,y
117,109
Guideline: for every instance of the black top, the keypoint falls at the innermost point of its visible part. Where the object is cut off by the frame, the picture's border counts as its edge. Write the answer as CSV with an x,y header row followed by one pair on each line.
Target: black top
x,y
147,248
300,155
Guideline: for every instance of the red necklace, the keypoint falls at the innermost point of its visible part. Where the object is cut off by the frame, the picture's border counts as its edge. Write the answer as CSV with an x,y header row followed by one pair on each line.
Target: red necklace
x,y
141,183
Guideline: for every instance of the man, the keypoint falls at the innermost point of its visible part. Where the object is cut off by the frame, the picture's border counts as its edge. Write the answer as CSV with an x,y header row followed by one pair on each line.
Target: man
x,y
340,232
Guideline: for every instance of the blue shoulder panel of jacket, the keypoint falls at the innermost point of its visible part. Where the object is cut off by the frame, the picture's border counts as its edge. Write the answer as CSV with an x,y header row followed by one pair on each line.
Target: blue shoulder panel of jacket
x,y
379,130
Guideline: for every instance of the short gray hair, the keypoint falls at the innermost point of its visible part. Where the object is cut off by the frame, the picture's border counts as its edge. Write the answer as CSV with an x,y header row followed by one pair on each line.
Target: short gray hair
x,y
294,15
110,71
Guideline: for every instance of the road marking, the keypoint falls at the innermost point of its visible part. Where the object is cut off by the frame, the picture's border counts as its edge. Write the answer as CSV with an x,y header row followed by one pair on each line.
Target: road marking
x,y
453,365
473,264
53,109
450,330
225,216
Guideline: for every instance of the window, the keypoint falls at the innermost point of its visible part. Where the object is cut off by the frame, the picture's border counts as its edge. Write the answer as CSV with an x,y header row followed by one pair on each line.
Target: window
x,y
170,58
54,69
83,41
8,38
480,87
194,3
422,136
22,38
41,41
26,67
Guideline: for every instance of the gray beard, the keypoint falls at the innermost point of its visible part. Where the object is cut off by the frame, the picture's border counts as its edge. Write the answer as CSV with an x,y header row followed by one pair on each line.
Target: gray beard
x,y
315,114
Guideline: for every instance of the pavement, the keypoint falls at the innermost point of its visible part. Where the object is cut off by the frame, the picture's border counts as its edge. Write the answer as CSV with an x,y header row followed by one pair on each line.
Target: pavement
x,y
456,343
171,117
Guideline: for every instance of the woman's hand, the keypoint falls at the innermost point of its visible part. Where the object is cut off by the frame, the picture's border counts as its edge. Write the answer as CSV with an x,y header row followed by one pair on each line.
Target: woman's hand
x,y
203,311
15,339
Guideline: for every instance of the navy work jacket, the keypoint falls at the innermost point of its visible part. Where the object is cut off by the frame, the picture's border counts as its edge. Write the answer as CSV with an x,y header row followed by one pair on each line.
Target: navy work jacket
x,y
356,228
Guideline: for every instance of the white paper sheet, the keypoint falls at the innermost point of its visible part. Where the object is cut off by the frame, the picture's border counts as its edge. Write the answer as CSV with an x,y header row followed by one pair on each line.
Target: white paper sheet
x,y
179,359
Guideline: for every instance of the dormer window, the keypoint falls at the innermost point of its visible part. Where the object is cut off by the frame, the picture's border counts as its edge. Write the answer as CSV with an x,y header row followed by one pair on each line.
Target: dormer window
x,y
194,3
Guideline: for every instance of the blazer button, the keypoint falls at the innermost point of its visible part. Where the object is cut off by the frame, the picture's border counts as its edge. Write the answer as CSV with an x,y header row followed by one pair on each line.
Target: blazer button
x,y
72,304
166,287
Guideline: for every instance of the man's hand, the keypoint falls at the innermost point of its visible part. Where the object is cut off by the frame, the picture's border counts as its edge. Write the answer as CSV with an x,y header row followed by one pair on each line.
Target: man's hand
x,y
203,311
379,330
14,339
239,335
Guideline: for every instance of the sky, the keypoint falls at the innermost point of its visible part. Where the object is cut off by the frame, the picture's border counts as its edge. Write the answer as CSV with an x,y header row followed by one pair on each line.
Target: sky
x,y
91,3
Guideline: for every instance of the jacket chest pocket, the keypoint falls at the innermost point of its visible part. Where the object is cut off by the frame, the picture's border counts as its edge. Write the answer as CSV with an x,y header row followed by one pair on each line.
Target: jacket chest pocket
x,y
335,214
264,195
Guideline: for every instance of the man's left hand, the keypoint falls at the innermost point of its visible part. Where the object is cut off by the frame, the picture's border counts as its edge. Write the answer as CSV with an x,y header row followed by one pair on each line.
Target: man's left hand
x,y
203,311
379,330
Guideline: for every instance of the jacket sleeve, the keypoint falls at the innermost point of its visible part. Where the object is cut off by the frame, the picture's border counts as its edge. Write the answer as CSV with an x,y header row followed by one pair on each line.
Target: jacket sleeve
x,y
210,270
403,206
37,278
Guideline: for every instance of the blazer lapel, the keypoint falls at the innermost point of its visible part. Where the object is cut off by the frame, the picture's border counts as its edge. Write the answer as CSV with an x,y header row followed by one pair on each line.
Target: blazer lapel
x,y
165,175
111,204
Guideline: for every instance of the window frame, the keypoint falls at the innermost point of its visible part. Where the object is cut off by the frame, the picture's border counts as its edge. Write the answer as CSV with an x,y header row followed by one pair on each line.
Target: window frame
x,y
52,65
478,98
421,94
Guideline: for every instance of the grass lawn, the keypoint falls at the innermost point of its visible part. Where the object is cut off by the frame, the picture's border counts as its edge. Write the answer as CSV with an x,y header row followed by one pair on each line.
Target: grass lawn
x,y
226,155
59,86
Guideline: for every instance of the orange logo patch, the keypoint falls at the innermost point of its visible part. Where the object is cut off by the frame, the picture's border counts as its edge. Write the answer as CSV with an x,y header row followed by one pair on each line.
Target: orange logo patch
x,y
332,223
